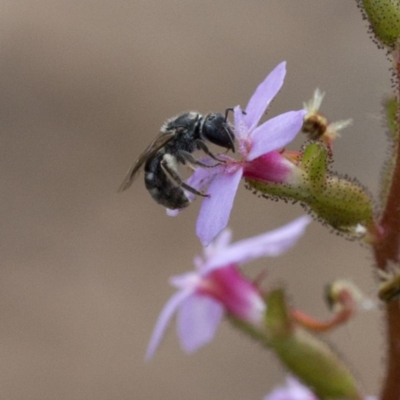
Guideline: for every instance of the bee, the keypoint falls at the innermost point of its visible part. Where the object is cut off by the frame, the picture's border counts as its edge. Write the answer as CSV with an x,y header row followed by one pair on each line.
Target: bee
x,y
179,137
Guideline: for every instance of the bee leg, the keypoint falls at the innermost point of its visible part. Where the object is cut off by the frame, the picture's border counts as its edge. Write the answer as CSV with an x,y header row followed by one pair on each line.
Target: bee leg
x,y
185,156
171,172
202,146
225,128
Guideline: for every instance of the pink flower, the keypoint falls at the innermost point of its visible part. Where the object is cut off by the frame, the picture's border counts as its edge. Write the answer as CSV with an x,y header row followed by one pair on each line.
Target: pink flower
x,y
260,157
217,286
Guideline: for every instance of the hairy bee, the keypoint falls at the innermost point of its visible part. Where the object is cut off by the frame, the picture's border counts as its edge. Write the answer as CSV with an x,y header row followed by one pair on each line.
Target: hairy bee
x,y
179,137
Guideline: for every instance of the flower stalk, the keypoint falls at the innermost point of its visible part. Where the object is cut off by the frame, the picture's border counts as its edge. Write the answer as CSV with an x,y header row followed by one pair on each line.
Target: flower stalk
x,y
309,358
387,253
343,298
304,355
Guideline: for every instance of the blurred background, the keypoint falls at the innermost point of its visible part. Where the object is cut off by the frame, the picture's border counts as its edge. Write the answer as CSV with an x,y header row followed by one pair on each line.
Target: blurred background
x,y
84,87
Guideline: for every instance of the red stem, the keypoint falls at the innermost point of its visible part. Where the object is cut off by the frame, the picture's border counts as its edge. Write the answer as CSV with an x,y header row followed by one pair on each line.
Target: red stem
x,y
387,252
347,311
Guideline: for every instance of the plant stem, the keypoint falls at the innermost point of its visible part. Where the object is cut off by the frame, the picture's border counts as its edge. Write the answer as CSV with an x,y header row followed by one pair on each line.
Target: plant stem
x,y
387,252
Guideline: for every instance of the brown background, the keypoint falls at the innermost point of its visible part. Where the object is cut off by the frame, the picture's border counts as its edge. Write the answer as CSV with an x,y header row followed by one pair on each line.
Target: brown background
x,y
84,87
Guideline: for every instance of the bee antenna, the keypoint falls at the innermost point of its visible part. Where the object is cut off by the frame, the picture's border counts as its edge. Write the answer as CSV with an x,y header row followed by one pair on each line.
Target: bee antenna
x,y
232,109
227,112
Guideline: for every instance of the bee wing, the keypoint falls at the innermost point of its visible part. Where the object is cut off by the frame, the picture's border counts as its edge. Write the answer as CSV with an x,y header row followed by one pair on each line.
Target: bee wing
x,y
161,140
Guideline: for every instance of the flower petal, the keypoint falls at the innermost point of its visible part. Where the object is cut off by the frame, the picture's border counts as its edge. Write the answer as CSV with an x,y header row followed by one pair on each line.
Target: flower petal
x,y
293,390
239,296
219,244
263,95
271,167
270,244
241,129
198,320
186,281
215,210
276,133
200,178
166,314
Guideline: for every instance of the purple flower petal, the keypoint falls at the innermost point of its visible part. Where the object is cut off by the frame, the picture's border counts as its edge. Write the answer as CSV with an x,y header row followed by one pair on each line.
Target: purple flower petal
x,y
166,314
275,133
199,179
263,95
270,244
215,210
219,244
198,320
221,241
293,390
241,129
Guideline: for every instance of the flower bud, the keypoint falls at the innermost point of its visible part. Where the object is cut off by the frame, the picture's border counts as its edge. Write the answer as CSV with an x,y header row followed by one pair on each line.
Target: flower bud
x,y
384,17
315,161
345,205
336,200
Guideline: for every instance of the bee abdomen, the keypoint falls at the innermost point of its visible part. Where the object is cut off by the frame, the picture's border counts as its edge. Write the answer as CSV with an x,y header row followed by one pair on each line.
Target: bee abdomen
x,y
161,188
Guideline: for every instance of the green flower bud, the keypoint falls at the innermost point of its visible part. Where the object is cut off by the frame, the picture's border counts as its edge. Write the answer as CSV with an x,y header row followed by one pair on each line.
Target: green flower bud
x,y
384,17
315,162
344,204
338,201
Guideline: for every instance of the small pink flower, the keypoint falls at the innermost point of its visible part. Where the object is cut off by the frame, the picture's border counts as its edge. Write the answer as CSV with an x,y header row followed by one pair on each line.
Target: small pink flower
x,y
217,286
260,158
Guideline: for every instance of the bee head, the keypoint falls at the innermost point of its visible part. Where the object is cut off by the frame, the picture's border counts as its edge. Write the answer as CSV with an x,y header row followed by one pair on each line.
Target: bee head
x,y
217,130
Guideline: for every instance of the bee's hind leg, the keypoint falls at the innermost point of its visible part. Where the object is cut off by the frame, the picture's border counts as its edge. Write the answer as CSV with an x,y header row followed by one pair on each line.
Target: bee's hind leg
x,y
202,146
170,170
185,157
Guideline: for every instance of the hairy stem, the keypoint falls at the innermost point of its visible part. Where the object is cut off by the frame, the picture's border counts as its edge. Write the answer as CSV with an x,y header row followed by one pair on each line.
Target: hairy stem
x,y
387,251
